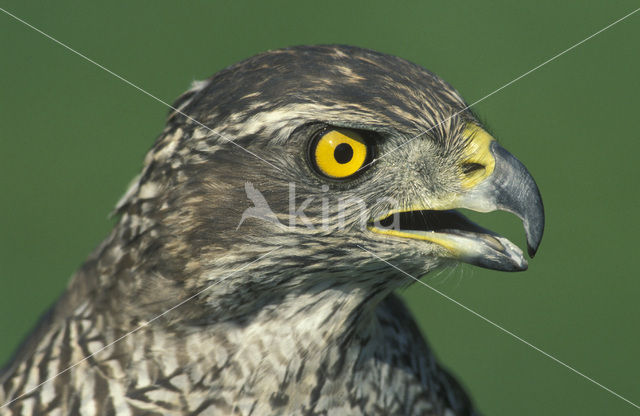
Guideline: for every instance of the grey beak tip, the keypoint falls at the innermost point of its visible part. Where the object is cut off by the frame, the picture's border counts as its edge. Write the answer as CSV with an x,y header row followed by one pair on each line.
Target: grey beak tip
x,y
533,241
535,229
518,193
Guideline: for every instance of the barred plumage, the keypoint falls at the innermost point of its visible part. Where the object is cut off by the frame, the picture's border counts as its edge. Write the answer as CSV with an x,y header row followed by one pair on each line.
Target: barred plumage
x,y
285,314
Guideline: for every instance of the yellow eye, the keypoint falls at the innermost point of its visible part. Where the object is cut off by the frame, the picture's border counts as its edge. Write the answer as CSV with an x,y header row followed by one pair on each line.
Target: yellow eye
x,y
339,153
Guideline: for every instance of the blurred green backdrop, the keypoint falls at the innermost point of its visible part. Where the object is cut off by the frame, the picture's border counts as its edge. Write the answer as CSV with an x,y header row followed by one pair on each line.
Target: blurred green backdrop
x,y
72,136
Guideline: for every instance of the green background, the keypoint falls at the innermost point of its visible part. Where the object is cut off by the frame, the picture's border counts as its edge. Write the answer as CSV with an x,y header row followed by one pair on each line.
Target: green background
x,y
72,136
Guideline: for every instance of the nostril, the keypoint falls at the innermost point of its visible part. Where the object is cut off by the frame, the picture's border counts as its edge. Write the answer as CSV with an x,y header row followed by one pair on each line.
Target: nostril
x,y
471,167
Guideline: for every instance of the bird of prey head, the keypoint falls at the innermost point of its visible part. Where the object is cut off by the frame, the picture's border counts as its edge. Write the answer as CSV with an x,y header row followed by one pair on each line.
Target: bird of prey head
x,y
252,247
348,147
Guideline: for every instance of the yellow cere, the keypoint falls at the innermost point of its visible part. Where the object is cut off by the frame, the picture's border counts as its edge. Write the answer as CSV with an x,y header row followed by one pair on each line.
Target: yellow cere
x,y
477,152
340,153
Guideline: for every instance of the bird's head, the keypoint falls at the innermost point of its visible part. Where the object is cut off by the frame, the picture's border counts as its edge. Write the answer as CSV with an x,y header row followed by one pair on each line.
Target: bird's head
x,y
322,152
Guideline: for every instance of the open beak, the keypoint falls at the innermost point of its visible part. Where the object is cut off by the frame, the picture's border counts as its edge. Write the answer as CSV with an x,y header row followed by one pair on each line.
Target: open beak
x,y
507,186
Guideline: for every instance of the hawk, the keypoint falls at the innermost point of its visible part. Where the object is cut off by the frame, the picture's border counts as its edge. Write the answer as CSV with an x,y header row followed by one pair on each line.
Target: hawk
x,y
248,271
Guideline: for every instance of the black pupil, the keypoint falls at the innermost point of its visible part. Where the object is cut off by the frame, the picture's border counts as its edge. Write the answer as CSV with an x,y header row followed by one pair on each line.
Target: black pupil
x,y
343,153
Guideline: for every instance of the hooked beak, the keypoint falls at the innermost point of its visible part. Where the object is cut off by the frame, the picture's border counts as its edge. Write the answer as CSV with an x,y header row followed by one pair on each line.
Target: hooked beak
x,y
510,188
503,183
